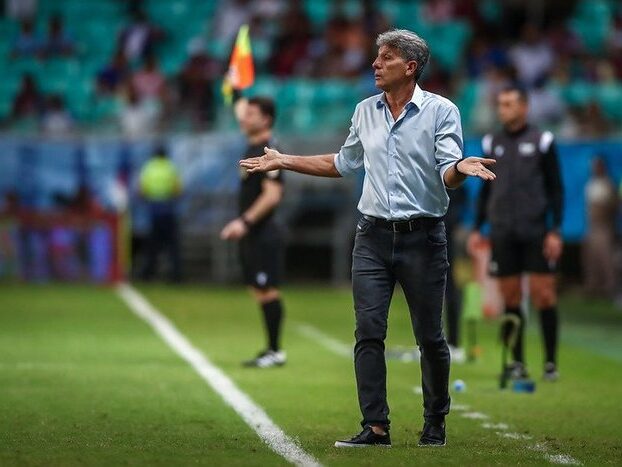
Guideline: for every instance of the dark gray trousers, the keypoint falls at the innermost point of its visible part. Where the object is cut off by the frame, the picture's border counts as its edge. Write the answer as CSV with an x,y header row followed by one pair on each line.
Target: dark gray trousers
x,y
416,260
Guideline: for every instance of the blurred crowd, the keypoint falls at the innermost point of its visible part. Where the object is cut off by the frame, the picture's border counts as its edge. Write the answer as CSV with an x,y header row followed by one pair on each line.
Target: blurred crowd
x,y
574,77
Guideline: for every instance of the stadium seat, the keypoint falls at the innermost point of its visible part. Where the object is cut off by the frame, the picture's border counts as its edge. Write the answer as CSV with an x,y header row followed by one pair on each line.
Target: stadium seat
x,y
465,100
402,14
265,86
318,11
592,22
105,108
609,96
577,93
448,42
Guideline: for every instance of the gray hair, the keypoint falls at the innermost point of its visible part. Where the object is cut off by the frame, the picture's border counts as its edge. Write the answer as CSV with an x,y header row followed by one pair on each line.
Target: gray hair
x,y
409,45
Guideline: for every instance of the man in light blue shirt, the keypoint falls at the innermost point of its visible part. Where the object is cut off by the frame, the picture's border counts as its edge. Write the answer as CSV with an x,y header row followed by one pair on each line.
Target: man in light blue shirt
x,y
409,142
404,164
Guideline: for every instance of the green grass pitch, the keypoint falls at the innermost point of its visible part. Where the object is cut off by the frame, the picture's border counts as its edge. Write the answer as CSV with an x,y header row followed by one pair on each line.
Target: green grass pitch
x,y
83,381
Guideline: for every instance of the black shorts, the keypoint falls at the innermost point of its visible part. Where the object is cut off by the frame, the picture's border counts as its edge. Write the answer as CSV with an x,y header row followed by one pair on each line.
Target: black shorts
x,y
261,257
512,256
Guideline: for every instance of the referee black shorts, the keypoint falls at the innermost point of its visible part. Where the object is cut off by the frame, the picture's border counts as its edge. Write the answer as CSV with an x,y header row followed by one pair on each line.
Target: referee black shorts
x,y
512,256
261,256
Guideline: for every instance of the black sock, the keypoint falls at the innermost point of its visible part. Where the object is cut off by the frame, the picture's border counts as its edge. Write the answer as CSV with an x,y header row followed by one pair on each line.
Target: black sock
x,y
550,329
273,316
517,350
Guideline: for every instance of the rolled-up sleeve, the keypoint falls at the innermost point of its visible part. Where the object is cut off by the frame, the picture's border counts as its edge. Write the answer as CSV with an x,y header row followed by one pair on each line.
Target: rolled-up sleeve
x,y
448,146
350,156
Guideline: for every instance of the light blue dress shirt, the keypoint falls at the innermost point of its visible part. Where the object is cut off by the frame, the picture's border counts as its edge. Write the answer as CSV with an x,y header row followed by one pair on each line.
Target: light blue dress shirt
x,y
404,159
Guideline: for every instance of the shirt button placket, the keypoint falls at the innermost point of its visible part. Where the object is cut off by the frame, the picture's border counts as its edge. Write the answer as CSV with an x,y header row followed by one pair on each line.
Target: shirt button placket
x,y
392,173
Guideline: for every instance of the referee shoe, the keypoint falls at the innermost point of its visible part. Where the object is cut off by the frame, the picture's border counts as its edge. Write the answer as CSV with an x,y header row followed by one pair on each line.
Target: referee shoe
x,y
518,370
550,372
267,359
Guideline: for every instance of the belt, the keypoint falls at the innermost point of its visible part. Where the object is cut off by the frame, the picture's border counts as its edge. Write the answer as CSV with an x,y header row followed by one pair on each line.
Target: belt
x,y
410,225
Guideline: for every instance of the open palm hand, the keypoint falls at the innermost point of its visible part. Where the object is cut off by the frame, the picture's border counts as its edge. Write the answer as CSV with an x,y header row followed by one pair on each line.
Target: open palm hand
x,y
271,160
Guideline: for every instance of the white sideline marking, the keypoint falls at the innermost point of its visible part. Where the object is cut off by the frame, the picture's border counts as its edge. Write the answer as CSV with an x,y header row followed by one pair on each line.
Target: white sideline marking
x,y
513,435
251,413
475,416
495,426
340,348
562,459
328,342
460,407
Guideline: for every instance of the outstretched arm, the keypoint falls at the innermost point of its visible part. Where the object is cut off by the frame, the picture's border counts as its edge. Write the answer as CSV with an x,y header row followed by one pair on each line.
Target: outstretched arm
x,y
321,165
470,166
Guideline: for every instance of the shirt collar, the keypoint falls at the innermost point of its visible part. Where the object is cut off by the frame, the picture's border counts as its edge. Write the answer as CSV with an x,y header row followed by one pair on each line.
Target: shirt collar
x,y
416,99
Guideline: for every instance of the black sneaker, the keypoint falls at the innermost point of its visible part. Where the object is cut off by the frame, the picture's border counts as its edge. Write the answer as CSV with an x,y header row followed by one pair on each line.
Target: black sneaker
x,y
433,434
267,359
550,372
366,438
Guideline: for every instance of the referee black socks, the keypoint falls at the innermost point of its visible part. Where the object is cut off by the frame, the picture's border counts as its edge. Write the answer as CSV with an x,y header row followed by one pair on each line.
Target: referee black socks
x,y
273,316
550,327
517,350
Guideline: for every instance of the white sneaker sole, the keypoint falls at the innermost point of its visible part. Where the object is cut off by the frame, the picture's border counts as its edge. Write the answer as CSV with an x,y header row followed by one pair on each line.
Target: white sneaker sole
x,y
271,365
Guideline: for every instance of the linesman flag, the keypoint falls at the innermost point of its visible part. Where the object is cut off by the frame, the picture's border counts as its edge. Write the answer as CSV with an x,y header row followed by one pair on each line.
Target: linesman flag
x,y
241,73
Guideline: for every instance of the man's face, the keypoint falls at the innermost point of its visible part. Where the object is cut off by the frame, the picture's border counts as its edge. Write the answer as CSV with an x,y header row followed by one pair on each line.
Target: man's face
x,y
253,121
391,69
511,109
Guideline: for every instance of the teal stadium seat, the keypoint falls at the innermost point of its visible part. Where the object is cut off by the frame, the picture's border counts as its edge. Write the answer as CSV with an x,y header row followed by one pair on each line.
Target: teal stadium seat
x,y
8,30
219,49
265,86
352,9
592,21
609,96
448,41
318,11
578,93
105,108
261,53
80,98
466,101
409,17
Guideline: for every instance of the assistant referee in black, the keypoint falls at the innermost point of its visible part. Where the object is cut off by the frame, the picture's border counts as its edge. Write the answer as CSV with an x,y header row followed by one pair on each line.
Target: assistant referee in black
x,y
410,143
259,236
524,208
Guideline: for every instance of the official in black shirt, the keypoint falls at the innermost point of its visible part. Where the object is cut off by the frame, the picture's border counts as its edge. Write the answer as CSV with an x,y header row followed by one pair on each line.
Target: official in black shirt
x,y
255,229
524,209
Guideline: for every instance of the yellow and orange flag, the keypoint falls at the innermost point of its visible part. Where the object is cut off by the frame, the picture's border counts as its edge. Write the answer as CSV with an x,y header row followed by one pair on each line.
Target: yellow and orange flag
x,y
241,73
